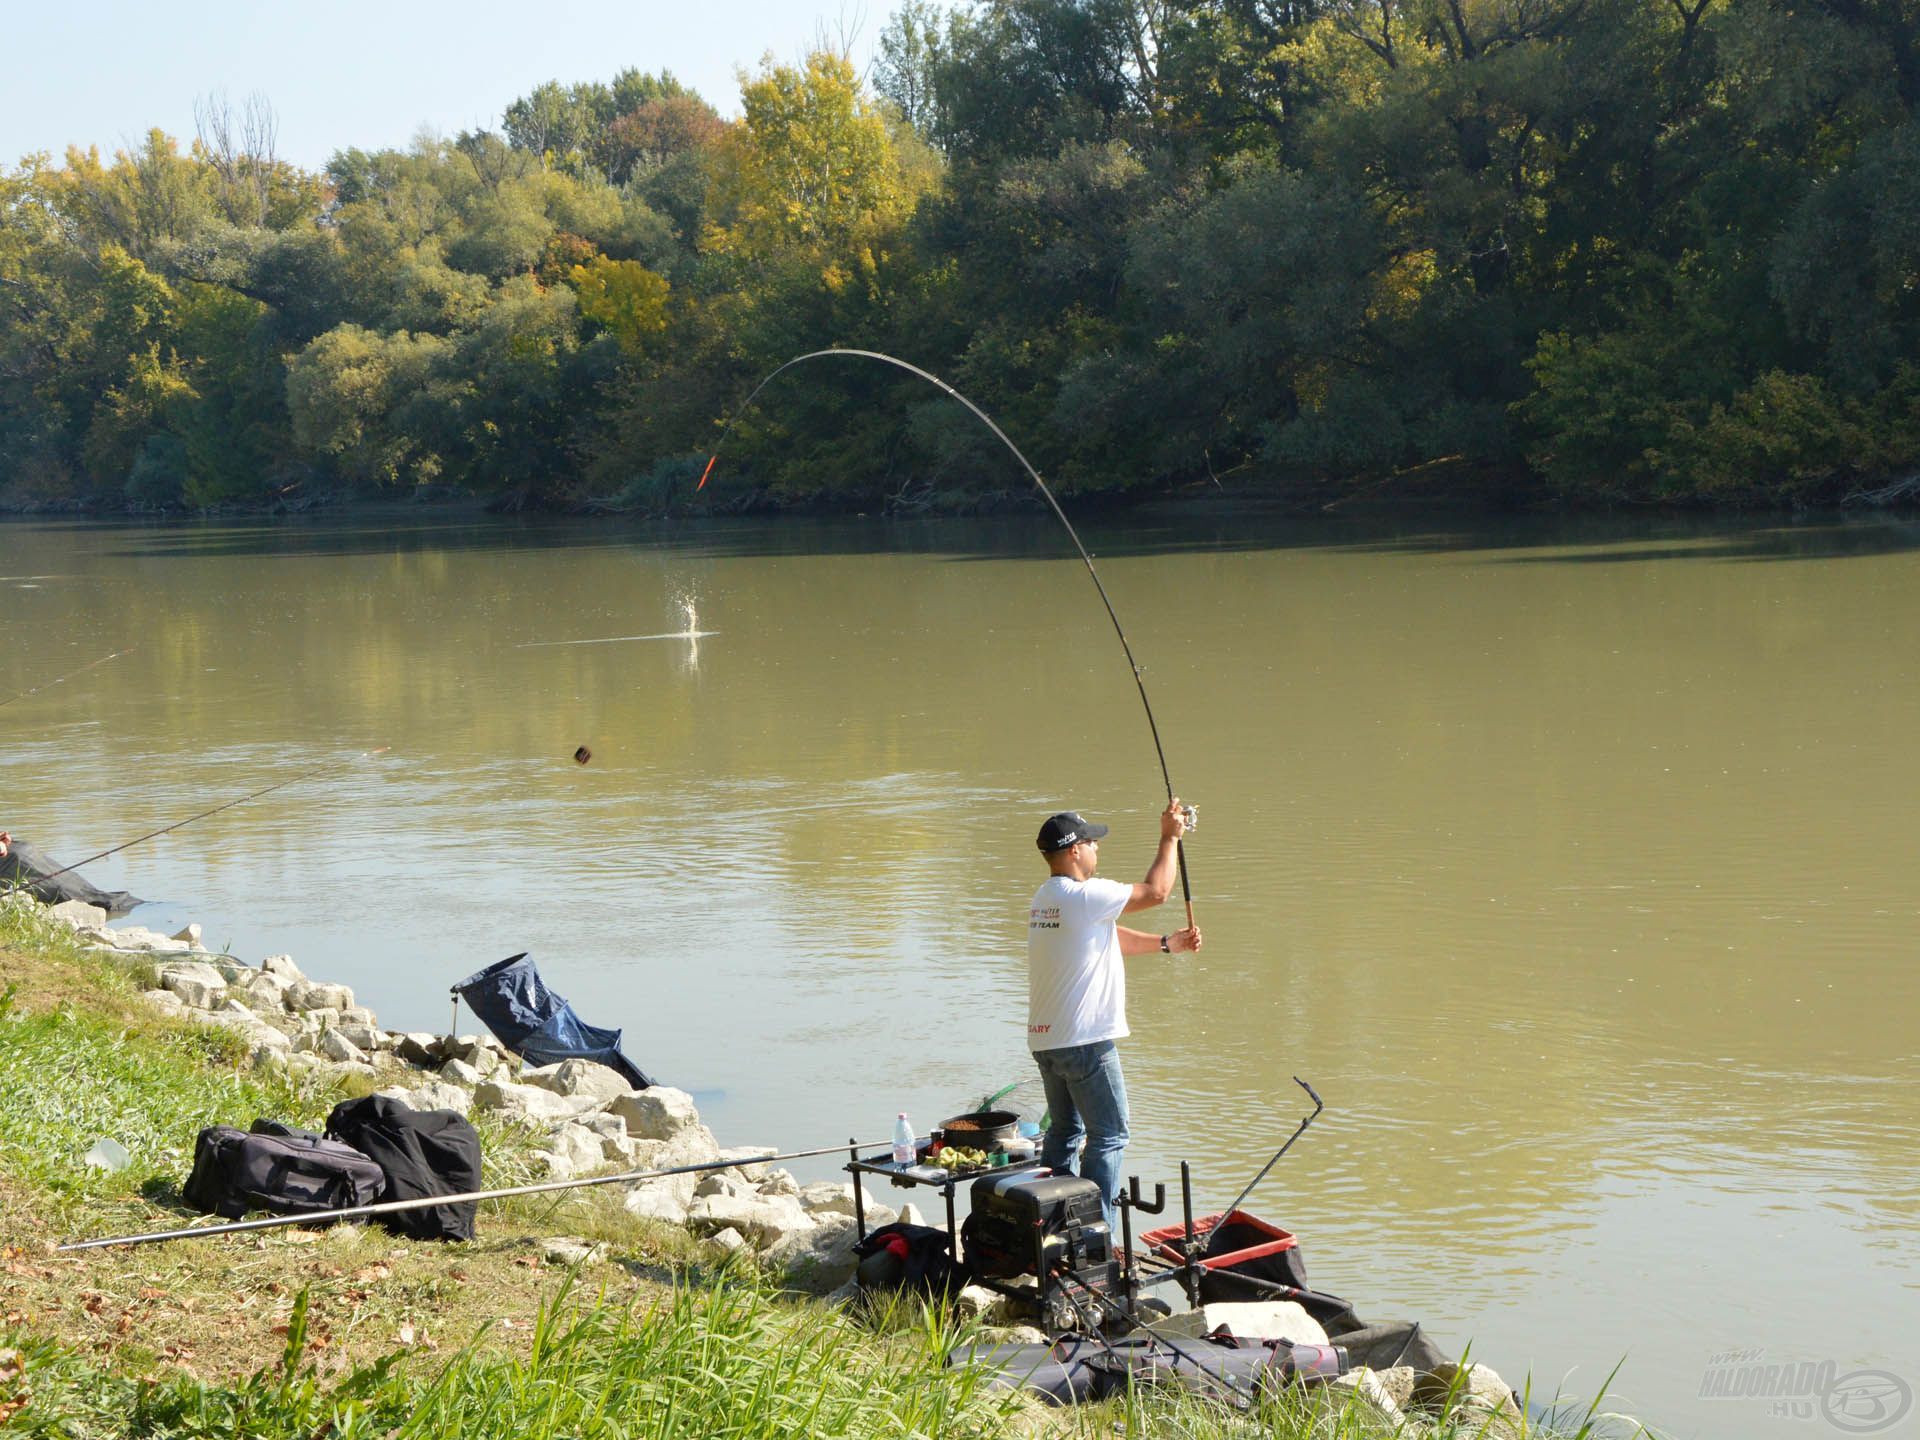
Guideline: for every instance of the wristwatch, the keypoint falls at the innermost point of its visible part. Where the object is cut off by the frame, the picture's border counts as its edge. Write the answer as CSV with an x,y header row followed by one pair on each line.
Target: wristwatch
x,y
1166,948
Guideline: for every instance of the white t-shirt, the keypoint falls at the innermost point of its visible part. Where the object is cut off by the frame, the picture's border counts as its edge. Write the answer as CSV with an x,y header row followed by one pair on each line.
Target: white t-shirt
x,y
1076,984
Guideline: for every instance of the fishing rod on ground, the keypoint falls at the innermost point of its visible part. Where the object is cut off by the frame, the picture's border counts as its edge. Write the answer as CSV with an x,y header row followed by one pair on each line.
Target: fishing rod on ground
x,y
254,795
70,675
1180,849
421,1202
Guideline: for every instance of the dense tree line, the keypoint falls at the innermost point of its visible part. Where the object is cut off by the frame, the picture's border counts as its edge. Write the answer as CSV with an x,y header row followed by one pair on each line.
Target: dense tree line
x,y
1639,250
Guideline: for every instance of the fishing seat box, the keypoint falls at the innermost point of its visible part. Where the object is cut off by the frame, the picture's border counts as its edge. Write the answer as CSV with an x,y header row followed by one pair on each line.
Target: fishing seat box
x,y
1028,1224
1237,1244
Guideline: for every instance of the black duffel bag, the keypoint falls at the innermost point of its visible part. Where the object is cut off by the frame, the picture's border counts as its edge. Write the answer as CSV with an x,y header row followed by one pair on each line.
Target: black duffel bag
x,y
423,1152
284,1171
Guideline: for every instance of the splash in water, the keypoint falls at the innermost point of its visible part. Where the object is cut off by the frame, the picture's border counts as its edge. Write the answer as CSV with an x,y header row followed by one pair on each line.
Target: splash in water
x,y
692,633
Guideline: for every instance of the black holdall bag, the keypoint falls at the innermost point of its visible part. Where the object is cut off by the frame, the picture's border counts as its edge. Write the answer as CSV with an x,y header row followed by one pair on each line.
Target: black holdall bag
x,y
423,1152
279,1169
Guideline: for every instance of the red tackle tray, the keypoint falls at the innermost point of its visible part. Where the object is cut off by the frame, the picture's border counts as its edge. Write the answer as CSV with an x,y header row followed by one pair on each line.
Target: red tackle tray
x,y
1258,1240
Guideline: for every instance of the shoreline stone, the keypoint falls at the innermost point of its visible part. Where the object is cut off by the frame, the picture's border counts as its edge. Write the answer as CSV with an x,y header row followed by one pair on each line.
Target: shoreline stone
x,y
589,1120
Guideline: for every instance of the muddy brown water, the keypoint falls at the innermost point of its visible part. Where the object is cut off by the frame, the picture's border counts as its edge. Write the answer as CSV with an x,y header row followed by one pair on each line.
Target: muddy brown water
x,y
1574,864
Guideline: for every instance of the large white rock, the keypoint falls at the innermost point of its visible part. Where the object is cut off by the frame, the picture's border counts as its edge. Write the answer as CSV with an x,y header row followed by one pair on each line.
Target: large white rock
x,y
1363,1390
578,1077
332,1045
138,937
265,1037
826,1197
165,1001
819,1259
690,1147
261,990
359,1015
975,1302
78,913
312,995
197,984
614,1144
572,1250
747,1155
419,1049
282,968
657,1114
654,1200
1482,1400
434,1095
459,1072
580,1146
766,1220
191,934
462,1047
362,1037
780,1182
721,1184
529,1102
1265,1320
1399,1382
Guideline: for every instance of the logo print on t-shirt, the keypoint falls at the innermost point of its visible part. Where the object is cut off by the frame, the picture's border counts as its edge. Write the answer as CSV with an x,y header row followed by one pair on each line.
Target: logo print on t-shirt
x,y
1044,917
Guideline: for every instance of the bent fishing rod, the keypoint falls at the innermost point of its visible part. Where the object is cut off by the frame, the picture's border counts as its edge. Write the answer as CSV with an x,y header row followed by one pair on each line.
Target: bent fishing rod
x,y
70,675
1180,849
255,795
421,1202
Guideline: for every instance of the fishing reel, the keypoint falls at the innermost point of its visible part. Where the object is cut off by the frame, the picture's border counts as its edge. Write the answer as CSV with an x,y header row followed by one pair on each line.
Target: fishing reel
x,y
1191,814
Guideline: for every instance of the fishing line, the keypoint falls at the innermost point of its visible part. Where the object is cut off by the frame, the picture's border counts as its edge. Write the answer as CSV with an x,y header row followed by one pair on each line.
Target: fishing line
x,y
71,674
1180,849
255,795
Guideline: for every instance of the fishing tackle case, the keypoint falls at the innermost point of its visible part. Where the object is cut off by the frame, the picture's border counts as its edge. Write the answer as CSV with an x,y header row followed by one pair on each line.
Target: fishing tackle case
x,y
283,1170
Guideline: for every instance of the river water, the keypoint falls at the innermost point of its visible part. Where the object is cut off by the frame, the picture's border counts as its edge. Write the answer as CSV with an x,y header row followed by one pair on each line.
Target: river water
x,y
1573,864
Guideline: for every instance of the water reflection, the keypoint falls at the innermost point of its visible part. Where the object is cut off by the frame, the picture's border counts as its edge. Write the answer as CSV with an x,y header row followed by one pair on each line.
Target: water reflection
x,y
1582,891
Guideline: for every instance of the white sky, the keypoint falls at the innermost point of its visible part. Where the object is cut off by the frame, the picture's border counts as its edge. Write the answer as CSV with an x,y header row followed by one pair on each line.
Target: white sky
x,y
353,72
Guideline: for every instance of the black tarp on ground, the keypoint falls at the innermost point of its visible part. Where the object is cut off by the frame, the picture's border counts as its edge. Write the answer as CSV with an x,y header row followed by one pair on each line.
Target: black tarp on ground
x,y
538,1025
421,1152
31,867
1075,1369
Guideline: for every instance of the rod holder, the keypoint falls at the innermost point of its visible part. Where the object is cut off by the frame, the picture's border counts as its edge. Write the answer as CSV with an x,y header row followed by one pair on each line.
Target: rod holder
x,y
1133,1201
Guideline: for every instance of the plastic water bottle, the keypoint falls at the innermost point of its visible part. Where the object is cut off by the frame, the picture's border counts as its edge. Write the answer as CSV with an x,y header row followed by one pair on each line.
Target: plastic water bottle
x,y
903,1140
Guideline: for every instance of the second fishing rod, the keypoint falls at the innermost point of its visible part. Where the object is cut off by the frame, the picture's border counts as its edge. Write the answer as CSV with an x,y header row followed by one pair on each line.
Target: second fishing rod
x,y
331,765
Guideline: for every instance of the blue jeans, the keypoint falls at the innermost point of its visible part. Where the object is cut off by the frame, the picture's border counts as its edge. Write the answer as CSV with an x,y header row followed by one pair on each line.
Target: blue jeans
x,y
1086,1100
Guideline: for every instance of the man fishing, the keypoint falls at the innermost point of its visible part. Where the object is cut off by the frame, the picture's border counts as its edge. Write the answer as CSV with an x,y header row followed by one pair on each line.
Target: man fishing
x,y
1077,988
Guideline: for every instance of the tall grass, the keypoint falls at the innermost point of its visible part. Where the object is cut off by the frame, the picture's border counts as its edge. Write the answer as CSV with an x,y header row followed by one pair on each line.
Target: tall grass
x,y
71,1075
725,1360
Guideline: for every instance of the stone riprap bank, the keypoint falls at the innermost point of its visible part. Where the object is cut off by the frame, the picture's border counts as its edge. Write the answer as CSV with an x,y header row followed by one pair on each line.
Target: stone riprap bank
x,y
583,1118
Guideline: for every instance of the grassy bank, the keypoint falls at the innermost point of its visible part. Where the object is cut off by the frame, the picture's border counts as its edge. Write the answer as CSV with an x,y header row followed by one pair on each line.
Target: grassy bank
x,y
351,1332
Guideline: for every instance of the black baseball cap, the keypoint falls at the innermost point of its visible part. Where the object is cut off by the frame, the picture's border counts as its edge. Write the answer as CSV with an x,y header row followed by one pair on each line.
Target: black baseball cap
x,y
1069,827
